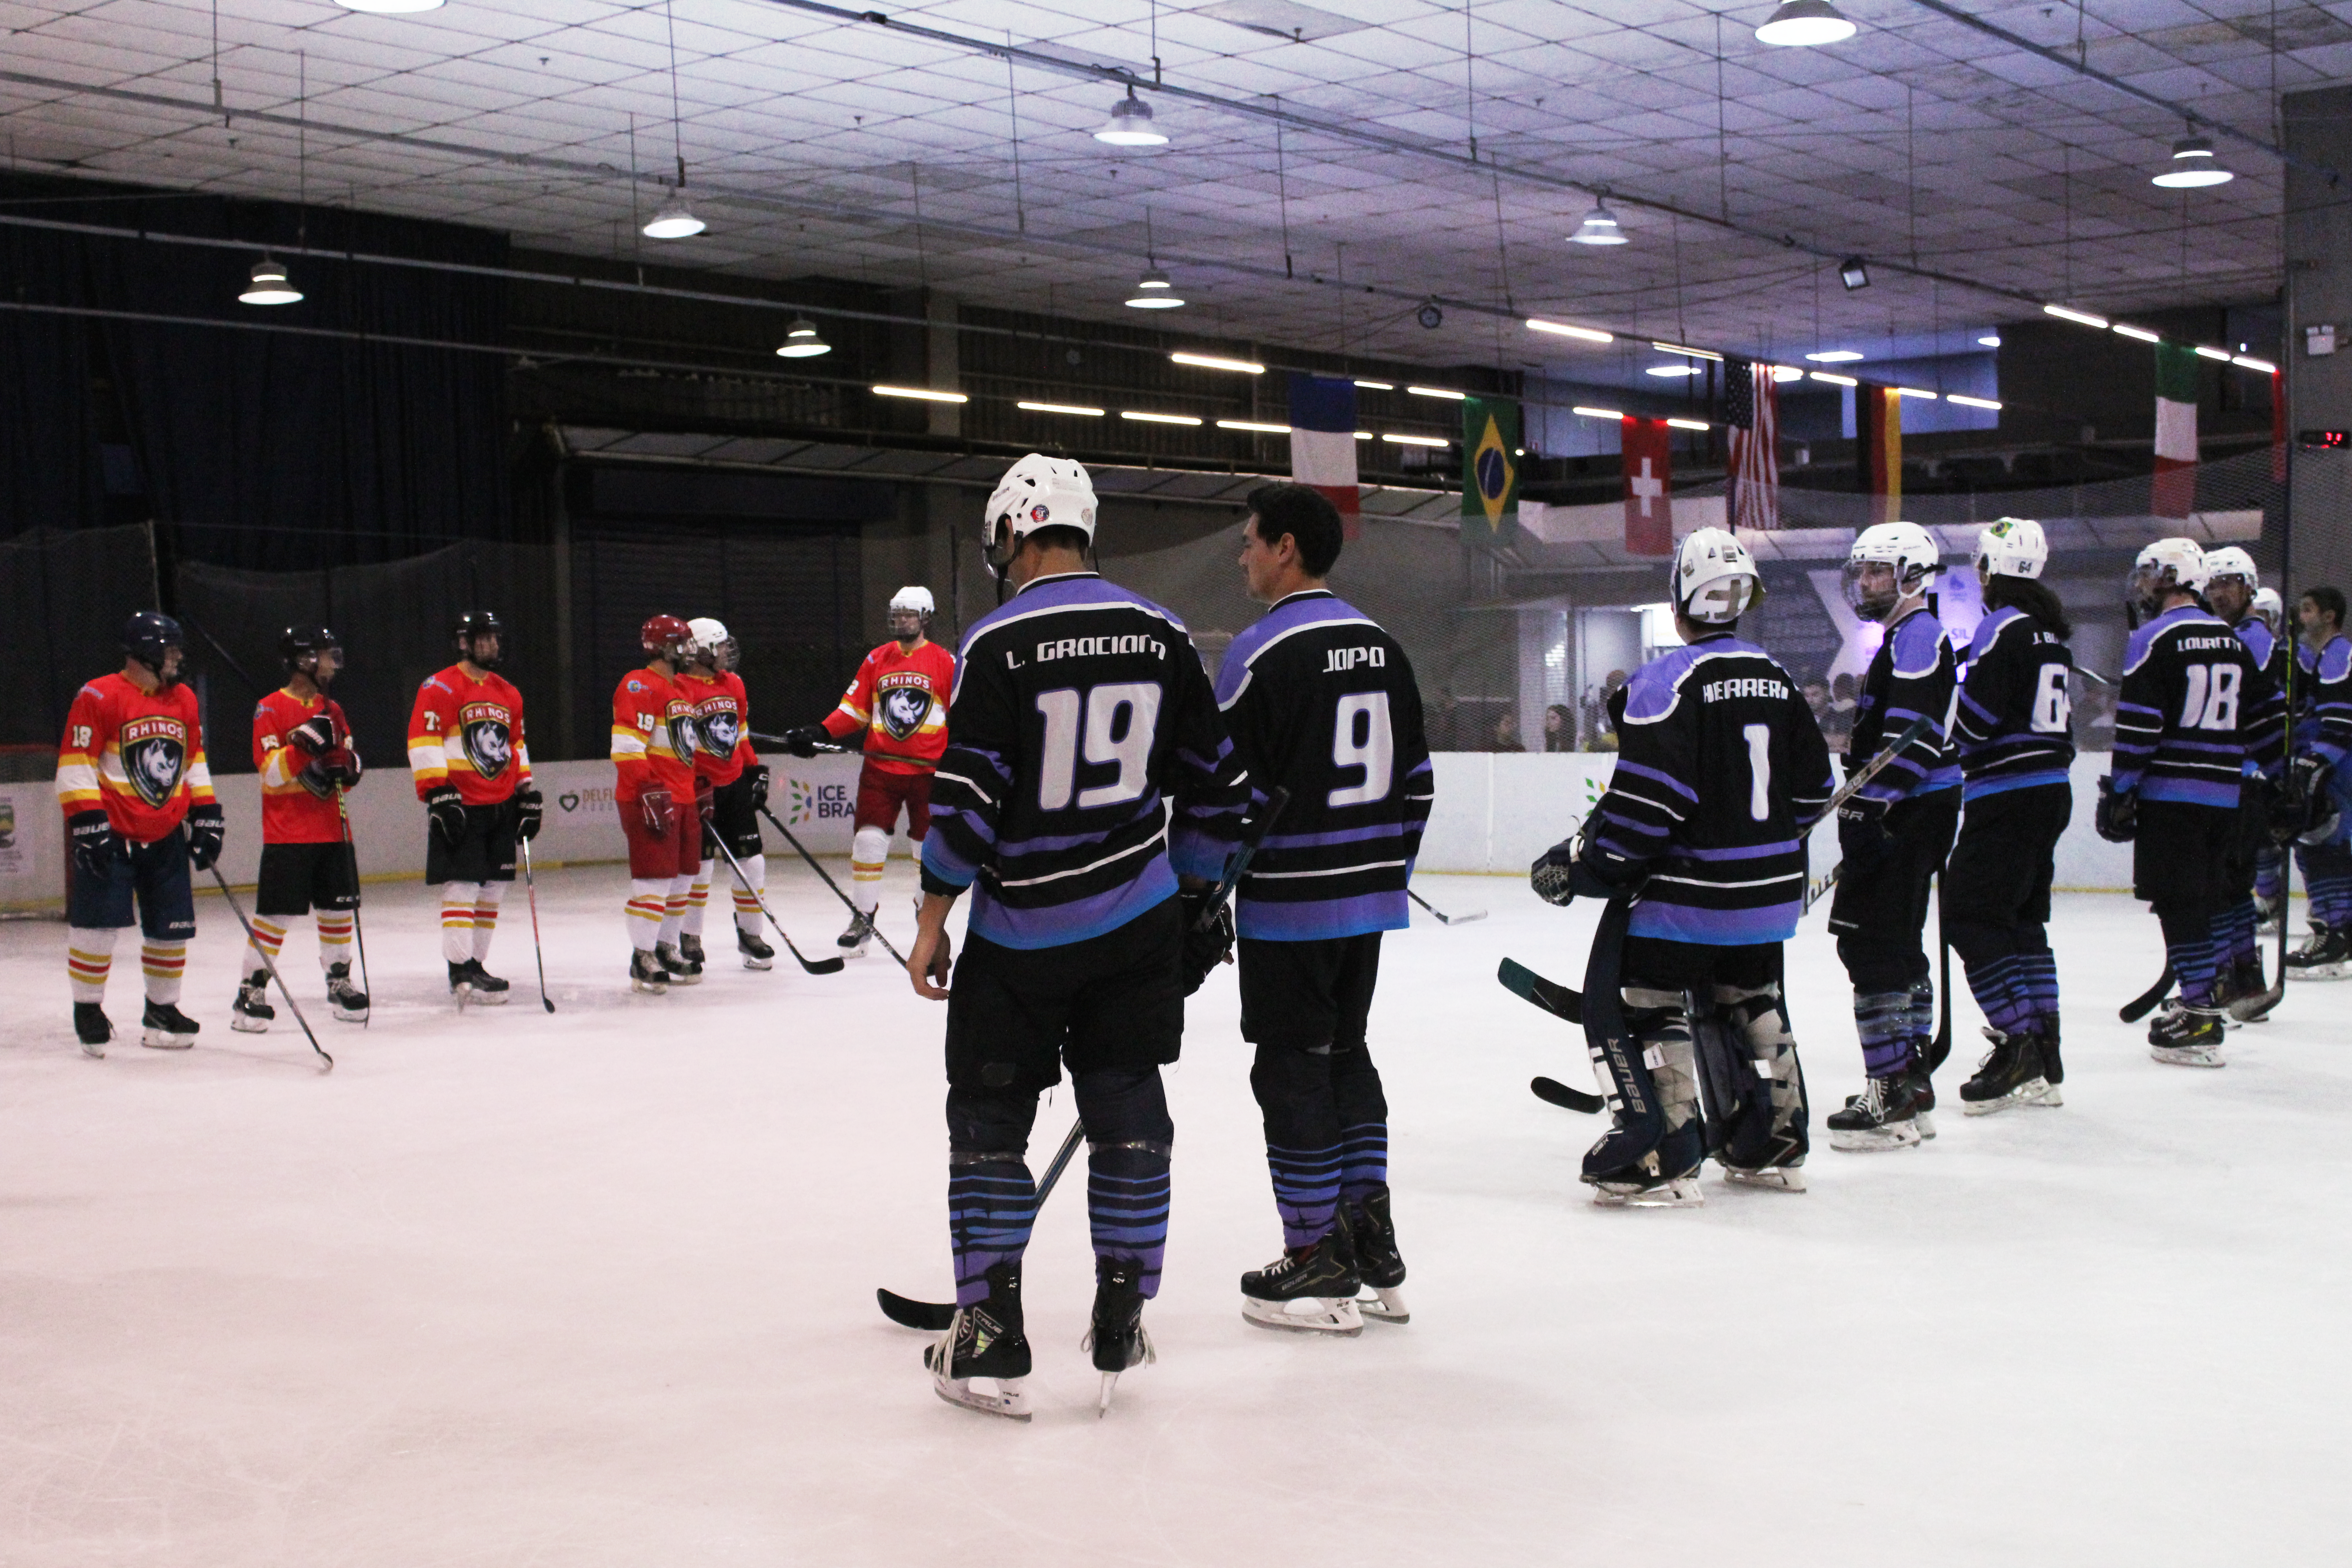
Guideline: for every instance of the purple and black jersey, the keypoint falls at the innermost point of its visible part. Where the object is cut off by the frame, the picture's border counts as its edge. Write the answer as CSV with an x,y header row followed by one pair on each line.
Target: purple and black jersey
x,y
2191,712
1322,699
1080,713
2266,737
2014,721
1720,769
1913,675
2323,725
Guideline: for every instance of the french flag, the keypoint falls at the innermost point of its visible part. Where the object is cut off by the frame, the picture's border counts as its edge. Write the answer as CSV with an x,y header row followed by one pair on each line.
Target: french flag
x,y
1323,441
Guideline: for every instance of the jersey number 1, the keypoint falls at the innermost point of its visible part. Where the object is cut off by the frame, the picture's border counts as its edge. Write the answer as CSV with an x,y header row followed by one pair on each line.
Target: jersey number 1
x,y
1759,770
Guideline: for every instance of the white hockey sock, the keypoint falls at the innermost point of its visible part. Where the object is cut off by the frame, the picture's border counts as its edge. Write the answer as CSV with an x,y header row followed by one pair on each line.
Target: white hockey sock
x,y
335,937
648,896
90,955
674,908
697,896
457,920
268,937
486,917
163,963
868,853
747,903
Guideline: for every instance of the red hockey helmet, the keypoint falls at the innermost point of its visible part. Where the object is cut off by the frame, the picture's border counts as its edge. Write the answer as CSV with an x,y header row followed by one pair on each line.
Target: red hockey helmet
x,y
664,636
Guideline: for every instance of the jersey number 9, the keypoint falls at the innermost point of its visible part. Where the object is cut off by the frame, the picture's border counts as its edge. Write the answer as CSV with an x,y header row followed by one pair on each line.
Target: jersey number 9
x,y
1098,714
1361,738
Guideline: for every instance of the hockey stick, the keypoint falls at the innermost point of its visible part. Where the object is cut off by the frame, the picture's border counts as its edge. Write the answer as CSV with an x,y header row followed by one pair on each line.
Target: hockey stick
x,y
813,966
825,748
2147,1001
1242,858
1561,1002
1941,1046
935,1316
358,930
828,877
271,965
530,891
1442,918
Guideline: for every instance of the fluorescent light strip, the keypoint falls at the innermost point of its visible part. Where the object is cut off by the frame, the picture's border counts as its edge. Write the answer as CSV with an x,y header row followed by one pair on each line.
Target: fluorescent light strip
x,y
1416,440
1060,408
2142,333
1253,424
1377,386
1684,352
1363,434
2242,362
921,393
1915,392
1437,392
1689,424
1833,378
2221,355
1211,362
2082,317
1562,329
1157,418
1597,413
1965,401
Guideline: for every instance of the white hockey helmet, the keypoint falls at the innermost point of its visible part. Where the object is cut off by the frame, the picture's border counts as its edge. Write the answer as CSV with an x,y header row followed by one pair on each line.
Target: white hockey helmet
x,y
2270,608
2232,561
2012,547
1036,492
712,640
913,599
2168,565
1905,547
1714,580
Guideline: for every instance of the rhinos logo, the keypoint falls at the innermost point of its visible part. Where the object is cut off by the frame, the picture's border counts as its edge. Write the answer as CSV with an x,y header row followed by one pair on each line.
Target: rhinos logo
x,y
721,729
903,709
490,743
153,751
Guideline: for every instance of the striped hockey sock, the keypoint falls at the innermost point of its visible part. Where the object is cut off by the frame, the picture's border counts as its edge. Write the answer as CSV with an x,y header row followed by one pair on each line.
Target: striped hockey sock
x,y
2038,980
2234,933
2270,870
747,902
2192,965
269,936
486,918
2002,996
992,1204
649,899
1883,1019
1363,1158
674,908
335,938
1306,1191
1127,1207
698,898
90,957
163,963
457,920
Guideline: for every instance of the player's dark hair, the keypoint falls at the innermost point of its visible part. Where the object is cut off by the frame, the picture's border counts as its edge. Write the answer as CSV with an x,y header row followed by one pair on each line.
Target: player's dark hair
x,y
2329,600
2029,598
1307,515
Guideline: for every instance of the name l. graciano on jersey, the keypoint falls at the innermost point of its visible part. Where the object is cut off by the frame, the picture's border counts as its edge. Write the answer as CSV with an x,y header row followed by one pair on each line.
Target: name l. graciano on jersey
x,y
1093,648
1747,685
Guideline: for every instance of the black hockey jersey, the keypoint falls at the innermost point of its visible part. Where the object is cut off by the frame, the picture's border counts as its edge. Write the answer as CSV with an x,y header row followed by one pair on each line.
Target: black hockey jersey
x,y
2273,659
2191,711
1081,713
1912,675
1320,700
2014,721
2324,702
1720,769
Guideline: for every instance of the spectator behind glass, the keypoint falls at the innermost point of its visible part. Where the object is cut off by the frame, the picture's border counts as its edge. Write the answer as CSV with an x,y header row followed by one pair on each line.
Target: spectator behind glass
x,y
1560,728
1507,733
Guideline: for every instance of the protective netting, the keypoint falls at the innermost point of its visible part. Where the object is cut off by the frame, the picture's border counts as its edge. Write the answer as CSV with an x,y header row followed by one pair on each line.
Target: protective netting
x,y
64,595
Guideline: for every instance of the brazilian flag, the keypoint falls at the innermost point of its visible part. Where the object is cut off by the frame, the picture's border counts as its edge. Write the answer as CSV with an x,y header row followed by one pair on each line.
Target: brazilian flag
x,y
1490,467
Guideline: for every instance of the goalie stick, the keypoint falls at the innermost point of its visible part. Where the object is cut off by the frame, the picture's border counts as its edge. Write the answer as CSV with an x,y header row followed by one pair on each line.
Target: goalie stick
x,y
1442,918
1563,1003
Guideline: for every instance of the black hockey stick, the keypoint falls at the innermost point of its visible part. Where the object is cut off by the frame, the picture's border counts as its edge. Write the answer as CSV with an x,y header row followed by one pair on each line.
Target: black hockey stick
x,y
935,1316
1242,858
825,748
530,891
358,930
271,965
1826,883
1941,1046
2148,1001
828,877
1442,918
1563,1003
813,966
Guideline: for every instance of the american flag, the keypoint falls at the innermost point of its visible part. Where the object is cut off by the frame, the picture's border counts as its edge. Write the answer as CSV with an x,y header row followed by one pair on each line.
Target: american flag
x,y
1752,409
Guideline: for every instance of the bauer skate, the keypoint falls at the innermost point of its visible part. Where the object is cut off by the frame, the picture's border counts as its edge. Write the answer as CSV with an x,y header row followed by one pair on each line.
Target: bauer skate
x,y
251,1012
2010,1074
757,954
1778,1167
92,1028
1310,1289
682,971
164,1027
2326,954
1884,1115
985,1339
854,941
1117,1337
350,1002
1379,1266
2184,1036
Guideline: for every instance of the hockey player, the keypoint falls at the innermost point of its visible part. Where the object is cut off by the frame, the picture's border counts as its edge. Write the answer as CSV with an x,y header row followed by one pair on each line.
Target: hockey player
x,y
2016,745
131,770
466,750
1721,769
2319,789
1322,701
2181,720
660,804
736,781
1894,835
302,751
899,698
2231,583
1080,713
2269,860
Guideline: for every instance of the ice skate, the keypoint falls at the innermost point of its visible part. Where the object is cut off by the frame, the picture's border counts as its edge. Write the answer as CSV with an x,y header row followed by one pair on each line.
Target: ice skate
x,y
2247,997
757,954
854,941
1117,1337
689,948
985,1340
1884,1115
1310,1289
488,989
164,1027
1778,1167
461,982
1668,1193
2326,954
648,975
2009,1075
1379,1266
2187,1037
250,1014
92,1028
682,971
350,1002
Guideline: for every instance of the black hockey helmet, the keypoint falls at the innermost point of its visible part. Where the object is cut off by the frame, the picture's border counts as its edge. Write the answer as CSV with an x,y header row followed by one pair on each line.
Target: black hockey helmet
x,y
146,635
301,646
476,624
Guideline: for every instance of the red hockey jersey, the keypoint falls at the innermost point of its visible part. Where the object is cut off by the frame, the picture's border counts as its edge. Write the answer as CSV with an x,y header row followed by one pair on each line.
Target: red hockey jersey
x,y
138,754
900,700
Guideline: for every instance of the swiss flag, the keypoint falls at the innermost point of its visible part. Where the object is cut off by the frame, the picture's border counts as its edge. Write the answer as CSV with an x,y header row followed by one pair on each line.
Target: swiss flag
x,y
1649,513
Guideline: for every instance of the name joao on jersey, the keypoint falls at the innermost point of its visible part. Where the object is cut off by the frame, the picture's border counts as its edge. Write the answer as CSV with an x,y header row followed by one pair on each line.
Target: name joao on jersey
x,y
1337,661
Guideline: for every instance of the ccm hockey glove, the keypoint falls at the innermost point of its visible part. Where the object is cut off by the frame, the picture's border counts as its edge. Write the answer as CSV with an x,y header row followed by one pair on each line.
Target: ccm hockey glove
x,y
448,812
530,809
313,735
758,774
95,846
2118,816
204,834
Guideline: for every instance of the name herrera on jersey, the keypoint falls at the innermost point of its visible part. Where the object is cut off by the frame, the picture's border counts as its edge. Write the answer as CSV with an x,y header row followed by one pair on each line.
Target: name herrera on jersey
x,y
1089,647
1758,686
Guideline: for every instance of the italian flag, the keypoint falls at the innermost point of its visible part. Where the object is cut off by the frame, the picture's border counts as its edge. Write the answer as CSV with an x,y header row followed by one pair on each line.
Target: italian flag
x,y
2175,493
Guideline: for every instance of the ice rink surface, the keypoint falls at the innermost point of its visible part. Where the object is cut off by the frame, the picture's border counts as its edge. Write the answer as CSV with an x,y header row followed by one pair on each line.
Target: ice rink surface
x,y
598,1288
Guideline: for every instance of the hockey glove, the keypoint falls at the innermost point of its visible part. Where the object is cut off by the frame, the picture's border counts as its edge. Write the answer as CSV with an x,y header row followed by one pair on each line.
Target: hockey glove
x,y
659,812
318,777
447,810
1553,873
95,848
343,767
313,735
2304,803
2118,816
705,800
530,810
1208,936
1575,868
1863,838
804,740
204,834
758,774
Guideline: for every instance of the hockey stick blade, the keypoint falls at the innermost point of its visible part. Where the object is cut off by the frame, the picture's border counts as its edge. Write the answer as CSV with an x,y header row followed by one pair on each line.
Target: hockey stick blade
x,y
269,963
1442,918
828,877
813,966
935,1316
1560,1001
2148,1001
1551,1091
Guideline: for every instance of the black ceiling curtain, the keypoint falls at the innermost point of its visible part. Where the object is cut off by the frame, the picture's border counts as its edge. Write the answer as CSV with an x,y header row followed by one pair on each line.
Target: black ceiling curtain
x,y
49,470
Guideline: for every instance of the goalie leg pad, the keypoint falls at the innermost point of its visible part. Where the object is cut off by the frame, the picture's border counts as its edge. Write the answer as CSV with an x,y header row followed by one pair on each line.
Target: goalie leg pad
x,y
1658,1139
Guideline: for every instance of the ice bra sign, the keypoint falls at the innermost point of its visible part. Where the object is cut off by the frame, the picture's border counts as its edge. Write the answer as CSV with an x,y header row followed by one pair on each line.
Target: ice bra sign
x,y
807,800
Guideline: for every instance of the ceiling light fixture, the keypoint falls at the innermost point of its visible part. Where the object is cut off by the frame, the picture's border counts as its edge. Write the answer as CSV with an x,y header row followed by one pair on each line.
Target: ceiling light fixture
x,y
802,341
1681,424
1915,392
1681,349
1675,370
1211,362
1965,401
1363,434
1129,124
2080,317
1597,413
270,286
1140,417
2205,353
1805,25
1990,340
2142,333
1377,386
1416,440
1437,392
1833,379
1253,424
1562,329
1854,274
675,221
2192,166
1082,412
1430,316
389,7
1787,373
1152,291
920,393
2244,362
1835,356
1599,226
